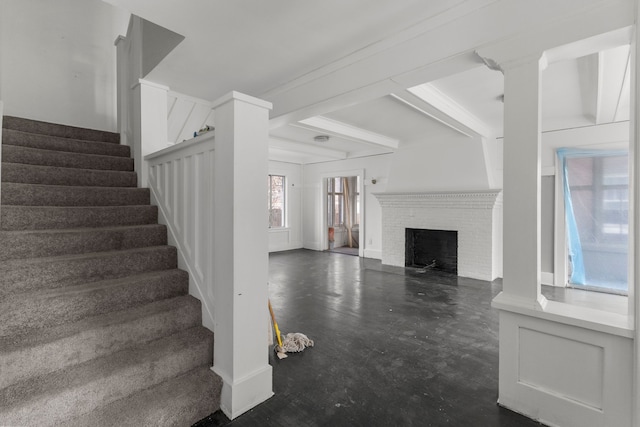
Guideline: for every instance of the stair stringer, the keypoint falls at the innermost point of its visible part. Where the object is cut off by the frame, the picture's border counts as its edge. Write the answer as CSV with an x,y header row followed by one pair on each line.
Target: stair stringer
x,y
182,192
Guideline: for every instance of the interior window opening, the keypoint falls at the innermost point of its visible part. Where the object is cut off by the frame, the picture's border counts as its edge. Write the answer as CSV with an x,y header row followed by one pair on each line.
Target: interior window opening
x,y
596,194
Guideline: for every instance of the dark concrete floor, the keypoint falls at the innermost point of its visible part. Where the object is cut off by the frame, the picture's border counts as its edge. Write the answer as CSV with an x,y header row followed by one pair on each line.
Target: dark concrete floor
x,y
394,347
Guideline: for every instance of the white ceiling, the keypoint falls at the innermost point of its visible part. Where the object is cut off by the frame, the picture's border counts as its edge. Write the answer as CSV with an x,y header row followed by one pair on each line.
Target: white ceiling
x,y
575,93
255,46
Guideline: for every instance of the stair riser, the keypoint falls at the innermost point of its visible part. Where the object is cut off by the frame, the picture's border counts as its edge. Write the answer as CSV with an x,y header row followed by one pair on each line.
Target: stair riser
x,y
71,305
51,195
34,244
50,175
41,218
31,156
54,129
98,339
111,386
46,142
161,405
96,324
19,276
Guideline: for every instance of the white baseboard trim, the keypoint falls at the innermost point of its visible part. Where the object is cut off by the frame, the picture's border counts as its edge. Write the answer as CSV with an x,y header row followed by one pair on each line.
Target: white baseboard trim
x,y
314,246
373,253
285,247
547,278
246,393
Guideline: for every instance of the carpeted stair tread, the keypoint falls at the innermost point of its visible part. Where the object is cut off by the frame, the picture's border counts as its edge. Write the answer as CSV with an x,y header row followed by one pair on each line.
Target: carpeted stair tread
x,y
83,388
53,175
23,313
180,401
36,156
96,324
48,142
56,217
48,243
62,195
21,275
46,350
54,129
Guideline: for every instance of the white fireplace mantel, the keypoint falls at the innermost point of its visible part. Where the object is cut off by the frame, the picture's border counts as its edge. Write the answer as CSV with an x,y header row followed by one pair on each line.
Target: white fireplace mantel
x,y
475,215
451,199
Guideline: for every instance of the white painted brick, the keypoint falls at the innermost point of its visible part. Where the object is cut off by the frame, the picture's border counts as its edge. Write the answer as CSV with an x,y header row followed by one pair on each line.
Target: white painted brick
x,y
471,214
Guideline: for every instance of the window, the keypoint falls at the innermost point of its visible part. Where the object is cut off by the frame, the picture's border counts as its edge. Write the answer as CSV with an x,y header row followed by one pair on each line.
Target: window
x,y
335,202
276,201
597,216
338,211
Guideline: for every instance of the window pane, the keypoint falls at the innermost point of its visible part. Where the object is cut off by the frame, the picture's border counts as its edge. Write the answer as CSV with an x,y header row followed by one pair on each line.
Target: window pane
x,y
615,171
338,218
599,193
580,171
276,201
337,185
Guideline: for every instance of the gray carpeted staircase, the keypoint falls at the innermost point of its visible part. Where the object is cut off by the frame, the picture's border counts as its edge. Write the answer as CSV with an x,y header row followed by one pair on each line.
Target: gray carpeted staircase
x,y
96,324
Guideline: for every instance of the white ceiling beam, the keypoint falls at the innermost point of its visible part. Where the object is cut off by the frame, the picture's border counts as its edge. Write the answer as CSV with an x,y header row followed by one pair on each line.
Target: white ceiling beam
x,y
613,68
589,75
413,102
305,148
624,101
367,75
344,130
431,101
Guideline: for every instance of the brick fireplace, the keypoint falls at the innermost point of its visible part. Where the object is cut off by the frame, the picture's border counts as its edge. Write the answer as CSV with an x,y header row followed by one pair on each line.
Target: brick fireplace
x,y
475,216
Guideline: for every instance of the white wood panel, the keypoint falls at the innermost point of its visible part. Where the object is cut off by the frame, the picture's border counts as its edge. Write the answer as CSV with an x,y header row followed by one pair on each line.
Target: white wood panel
x,y
564,375
186,115
578,366
195,121
180,183
178,117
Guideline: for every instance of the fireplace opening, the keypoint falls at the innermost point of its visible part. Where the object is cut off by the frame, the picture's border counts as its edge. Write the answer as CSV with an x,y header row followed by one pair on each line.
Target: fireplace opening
x,y
434,249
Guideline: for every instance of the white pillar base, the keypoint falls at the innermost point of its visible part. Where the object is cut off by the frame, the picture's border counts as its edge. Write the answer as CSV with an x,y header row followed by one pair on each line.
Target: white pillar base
x,y
239,397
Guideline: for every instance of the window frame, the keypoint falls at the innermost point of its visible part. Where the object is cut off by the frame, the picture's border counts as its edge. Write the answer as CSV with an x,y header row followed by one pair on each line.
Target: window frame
x,y
561,245
270,201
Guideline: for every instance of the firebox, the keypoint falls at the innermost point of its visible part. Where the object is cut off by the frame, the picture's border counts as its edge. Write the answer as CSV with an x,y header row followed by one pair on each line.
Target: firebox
x,y
436,249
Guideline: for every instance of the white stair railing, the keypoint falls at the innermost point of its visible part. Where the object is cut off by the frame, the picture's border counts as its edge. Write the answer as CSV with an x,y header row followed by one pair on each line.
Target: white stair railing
x,y
211,194
180,181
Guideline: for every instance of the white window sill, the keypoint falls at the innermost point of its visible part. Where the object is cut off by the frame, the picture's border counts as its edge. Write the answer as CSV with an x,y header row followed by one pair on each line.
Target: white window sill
x,y
593,316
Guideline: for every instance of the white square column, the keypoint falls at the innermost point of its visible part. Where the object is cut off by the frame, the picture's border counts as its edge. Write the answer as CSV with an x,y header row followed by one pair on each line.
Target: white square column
x,y
240,260
634,220
521,193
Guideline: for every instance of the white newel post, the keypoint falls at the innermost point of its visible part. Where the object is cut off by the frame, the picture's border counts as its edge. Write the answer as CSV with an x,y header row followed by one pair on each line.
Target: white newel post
x,y
240,261
521,194
150,124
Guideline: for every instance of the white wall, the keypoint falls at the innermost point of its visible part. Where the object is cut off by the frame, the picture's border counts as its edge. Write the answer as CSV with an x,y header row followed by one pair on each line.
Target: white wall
x,y
59,62
451,162
445,162
375,167
290,237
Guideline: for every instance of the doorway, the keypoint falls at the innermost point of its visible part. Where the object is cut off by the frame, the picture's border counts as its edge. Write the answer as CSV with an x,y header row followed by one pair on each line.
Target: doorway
x,y
343,214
